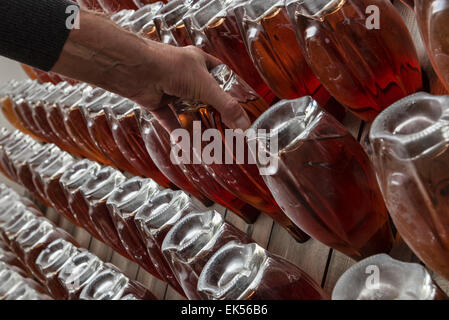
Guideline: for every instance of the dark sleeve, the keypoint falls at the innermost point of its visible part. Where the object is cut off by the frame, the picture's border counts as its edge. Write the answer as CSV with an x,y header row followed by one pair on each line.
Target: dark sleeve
x,y
34,31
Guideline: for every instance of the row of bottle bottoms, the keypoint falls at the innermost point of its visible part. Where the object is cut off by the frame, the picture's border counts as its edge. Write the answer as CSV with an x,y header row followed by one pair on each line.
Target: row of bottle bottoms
x,y
345,210
192,249
290,49
39,261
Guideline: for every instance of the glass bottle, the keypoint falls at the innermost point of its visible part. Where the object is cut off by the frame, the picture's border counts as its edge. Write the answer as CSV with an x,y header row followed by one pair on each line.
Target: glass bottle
x,y
18,160
51,261
101,133
432,17
46,180
155,219
409,144
6,93
111,284
9,259
365,65
249,272
322,179
212,26
76,126
192,241
77,273
17,144
55,117
125,127
70,183
169,24
15,224
147,31
140,18
158,145
123,204
122,17
40,112
381,277
23,107
238,176
271,43
15,287
33,239
94,193
25,171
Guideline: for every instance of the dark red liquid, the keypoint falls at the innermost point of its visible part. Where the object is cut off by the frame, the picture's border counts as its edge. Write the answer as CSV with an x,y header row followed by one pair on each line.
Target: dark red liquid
x,y
25,115
101,218
157,141
101,134
276,54
81,211
56,122
328,187
126,132
40,118
77,129
364,69
227,45
250,186
129,235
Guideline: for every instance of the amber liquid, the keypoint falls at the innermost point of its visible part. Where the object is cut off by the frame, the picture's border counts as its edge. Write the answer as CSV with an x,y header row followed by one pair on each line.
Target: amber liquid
x,y
129,235
31,255
57,197
276,54
101,134
40,118
101,218
43,76
158,144
227,45
77,129
80,210
250,187
24,113
422,217
365,70
26,179
433,17
180,37
29,72
161,263
277,287
10,115
113,6
327,186
150,33
129,140
56,122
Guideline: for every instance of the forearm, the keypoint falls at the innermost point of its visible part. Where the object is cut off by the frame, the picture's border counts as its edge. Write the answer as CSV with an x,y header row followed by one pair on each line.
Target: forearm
x,y
107,56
